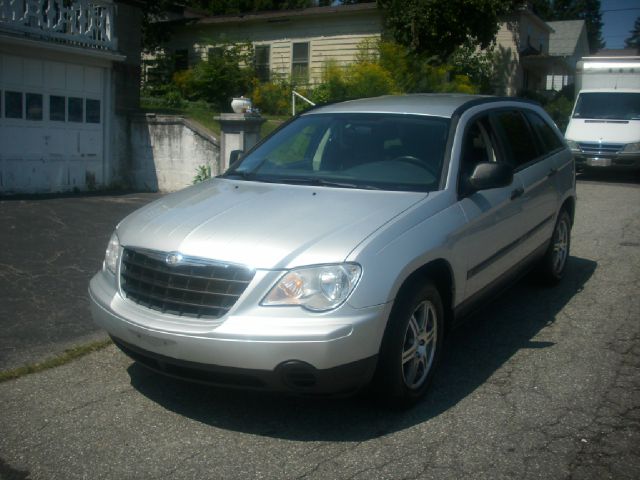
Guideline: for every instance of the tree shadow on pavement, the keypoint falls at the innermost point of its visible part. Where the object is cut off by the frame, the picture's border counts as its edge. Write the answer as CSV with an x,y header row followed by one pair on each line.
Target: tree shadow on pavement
x,y
475,352
605,176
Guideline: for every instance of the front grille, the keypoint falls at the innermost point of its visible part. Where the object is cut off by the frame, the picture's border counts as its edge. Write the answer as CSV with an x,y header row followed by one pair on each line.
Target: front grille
x,y
196,288
596,147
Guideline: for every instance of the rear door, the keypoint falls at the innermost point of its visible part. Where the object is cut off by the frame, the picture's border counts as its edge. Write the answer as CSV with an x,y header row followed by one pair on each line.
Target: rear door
x,y
534,166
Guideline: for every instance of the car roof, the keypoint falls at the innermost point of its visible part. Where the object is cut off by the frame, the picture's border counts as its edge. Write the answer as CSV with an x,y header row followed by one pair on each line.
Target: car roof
x,y
433,104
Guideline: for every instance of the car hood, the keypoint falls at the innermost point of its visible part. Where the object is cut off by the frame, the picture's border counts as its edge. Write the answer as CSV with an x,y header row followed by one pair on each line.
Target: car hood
x,y
263,225
606,131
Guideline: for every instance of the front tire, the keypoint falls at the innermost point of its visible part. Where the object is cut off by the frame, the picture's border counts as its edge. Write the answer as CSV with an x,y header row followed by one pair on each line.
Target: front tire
x,y
554,263
411,346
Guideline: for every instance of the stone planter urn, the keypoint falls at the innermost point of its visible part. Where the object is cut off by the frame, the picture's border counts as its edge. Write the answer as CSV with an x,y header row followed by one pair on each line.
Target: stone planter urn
x,y
241,105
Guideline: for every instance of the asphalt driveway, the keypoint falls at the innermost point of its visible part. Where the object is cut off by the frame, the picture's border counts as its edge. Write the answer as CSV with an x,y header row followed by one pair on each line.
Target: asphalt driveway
x,y
543,383
51,246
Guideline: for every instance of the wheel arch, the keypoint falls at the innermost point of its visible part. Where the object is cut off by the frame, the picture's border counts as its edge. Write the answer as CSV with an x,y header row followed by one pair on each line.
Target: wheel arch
x,y
441,273
569,204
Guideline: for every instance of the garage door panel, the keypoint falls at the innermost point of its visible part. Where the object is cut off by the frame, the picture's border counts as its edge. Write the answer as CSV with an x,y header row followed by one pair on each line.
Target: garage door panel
x,y
57,76
33,73
93,80
10,136
32,141
15,176
77,174
11,70
75,78
59,175
57,142
94,173
90,143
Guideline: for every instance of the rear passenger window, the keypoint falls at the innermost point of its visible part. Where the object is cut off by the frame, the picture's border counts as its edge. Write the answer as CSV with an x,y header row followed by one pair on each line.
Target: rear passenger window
x,y
545,133
519,145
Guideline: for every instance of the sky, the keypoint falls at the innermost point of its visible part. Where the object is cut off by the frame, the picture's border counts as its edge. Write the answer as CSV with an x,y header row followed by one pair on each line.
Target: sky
x,y
618,17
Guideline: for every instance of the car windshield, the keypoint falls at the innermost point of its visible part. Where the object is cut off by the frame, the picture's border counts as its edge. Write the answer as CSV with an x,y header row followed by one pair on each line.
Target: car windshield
x,y
608,105
371,151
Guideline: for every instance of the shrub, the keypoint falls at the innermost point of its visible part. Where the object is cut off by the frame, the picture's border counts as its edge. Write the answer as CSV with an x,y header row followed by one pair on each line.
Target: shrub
x,y
203,172
369,80
560,109
272,97
219,78
334,86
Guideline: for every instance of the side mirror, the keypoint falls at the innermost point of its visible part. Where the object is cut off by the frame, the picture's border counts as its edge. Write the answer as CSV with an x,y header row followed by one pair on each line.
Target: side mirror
x,y
234,156
488,175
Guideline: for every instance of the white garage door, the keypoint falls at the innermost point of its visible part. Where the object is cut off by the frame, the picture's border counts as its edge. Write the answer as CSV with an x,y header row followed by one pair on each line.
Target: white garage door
x,y
51,125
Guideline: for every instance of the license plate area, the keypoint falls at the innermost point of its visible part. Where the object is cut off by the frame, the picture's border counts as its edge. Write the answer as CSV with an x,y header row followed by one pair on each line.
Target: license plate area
x,y
599,162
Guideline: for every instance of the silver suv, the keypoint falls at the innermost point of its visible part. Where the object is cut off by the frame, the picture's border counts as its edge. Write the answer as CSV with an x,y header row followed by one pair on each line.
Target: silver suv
x,y
343,248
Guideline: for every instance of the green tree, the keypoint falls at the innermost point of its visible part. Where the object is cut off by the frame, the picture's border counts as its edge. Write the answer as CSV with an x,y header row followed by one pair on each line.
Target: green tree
x,y
633,41
587,10
436,28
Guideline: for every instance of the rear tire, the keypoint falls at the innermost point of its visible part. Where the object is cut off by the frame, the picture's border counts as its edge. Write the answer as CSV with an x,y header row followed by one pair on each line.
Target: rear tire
x,y
412,345
554,263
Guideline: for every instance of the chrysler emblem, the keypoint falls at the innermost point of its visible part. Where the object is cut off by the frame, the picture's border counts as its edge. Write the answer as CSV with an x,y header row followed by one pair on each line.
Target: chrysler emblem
x,y
173,258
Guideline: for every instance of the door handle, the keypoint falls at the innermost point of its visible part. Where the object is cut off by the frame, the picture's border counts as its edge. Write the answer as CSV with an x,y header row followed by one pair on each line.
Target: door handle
x,y
552,172
518,192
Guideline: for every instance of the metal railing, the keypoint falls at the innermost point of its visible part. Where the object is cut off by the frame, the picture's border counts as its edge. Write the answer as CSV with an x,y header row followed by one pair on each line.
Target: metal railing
x,y
74,22
295,94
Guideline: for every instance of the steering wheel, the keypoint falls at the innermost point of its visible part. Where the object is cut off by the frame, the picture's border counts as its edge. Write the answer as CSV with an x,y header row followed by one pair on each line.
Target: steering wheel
x,y
411,160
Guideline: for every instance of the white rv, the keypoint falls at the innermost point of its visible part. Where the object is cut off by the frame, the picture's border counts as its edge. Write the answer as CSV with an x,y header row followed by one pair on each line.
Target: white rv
x,y
604,128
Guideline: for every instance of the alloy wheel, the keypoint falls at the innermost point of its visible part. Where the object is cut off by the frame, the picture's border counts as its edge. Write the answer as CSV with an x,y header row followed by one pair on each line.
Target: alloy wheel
x,y
419,345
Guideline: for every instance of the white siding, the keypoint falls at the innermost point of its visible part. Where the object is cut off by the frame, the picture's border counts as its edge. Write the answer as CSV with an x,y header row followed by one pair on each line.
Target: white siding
x,y
330,37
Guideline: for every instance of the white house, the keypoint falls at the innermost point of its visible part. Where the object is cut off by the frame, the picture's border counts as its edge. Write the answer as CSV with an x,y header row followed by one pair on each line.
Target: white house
x,y
567,45
69,73
297,43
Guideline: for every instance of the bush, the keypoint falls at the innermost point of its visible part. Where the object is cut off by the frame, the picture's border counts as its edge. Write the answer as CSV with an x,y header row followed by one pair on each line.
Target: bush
x,y
334,86
219,78
272,97
203,172
560,109
369,80
557,104
414,73
358,80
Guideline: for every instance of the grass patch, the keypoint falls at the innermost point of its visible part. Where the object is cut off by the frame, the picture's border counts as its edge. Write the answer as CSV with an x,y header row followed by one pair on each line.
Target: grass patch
x,y
65,357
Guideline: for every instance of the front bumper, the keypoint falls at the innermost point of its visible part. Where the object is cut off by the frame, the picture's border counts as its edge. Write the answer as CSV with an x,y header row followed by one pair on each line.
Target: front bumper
x,y
607,161
284,348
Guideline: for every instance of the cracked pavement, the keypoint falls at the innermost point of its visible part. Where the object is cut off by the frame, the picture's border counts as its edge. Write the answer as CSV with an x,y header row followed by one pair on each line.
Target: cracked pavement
x,y
543,383
51,247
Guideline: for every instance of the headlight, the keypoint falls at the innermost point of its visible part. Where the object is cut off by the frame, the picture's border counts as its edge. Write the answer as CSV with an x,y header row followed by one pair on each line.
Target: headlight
x,y
112,254
632,148
573,145
318,289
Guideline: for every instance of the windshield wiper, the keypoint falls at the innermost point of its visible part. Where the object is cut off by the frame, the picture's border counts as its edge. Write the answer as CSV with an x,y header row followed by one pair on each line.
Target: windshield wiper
x,y
237,173
321,182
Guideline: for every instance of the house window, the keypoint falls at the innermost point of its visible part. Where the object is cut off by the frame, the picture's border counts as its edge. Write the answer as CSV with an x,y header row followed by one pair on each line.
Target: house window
x,y
34,106
261,62
300,62
13,104
181,60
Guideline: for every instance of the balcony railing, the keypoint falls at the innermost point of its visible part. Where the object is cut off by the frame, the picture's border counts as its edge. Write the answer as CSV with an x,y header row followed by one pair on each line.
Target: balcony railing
x,y
73,22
